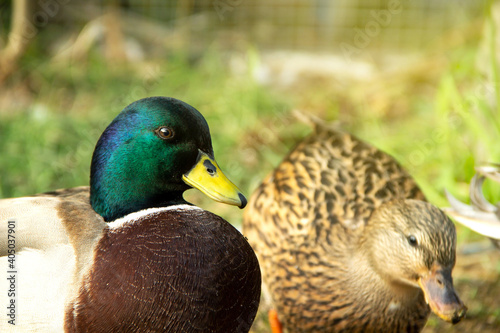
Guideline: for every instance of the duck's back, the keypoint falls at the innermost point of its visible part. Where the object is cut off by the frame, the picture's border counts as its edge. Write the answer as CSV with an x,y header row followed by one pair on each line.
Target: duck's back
x,y
331,178
43,252
42,221
184,267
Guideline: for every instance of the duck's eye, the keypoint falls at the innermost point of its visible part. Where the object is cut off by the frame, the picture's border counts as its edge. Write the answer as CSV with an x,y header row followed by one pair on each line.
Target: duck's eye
x,y
412,240
165,132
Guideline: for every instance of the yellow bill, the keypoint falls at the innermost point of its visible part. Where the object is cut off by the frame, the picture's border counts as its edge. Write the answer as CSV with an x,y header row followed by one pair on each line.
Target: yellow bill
x,y
207,177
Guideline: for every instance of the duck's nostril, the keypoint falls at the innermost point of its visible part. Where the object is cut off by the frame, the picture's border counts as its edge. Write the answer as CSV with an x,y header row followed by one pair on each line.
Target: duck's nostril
x,y
210,167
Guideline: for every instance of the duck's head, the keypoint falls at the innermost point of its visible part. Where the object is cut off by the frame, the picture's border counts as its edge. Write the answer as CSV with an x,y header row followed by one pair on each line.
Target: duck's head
x,y
153,151
420,241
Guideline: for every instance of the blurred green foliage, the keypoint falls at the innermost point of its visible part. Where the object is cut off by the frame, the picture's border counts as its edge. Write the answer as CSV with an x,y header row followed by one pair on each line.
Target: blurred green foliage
x,y
445,132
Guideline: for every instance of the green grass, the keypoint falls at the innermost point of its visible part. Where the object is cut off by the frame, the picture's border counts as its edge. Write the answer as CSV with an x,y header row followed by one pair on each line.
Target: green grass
x,y
439,137
48,144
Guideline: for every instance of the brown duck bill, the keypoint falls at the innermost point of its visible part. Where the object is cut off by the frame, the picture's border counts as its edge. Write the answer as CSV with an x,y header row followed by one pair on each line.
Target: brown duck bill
x,y
439,293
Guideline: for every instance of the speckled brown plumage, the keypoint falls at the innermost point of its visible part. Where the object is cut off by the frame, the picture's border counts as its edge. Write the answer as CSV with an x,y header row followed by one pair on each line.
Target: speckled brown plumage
x,y
331,228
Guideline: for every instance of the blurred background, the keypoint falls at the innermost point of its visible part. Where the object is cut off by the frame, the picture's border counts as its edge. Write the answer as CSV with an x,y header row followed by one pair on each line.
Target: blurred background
x,y
418,79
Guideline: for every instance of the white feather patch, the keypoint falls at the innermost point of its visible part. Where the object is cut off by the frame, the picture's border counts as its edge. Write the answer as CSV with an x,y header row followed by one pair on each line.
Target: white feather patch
x,y
43,281
133,217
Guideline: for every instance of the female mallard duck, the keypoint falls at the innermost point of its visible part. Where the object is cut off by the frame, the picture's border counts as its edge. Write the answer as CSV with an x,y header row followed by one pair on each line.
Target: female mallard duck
x,y
481,216
347,243
131,255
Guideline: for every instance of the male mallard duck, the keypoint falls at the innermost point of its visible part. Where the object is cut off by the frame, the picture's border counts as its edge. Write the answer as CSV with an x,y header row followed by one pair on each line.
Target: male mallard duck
x,y
481,216
347,243
131,255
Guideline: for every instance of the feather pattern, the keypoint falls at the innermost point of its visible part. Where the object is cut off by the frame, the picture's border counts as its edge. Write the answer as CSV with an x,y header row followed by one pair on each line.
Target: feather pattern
x,y
330,226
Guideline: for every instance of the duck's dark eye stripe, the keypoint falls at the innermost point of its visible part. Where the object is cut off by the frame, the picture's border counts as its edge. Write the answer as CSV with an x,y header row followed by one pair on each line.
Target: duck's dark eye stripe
x,y
412,240
165,132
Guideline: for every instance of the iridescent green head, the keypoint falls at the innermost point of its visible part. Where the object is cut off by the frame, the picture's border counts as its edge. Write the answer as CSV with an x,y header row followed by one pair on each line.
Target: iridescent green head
x,y
153,151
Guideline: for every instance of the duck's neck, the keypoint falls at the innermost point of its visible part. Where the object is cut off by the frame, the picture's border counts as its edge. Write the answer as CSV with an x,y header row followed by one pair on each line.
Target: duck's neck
x,y
402,302
111,206
112,198
122,181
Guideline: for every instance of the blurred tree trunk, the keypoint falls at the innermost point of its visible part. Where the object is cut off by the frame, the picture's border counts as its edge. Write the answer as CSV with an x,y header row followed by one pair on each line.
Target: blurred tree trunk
x,y
106,29
21,33
182,13
115,41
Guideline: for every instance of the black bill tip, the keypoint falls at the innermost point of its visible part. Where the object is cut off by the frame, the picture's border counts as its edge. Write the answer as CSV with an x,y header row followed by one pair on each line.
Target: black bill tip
x,y
243,200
